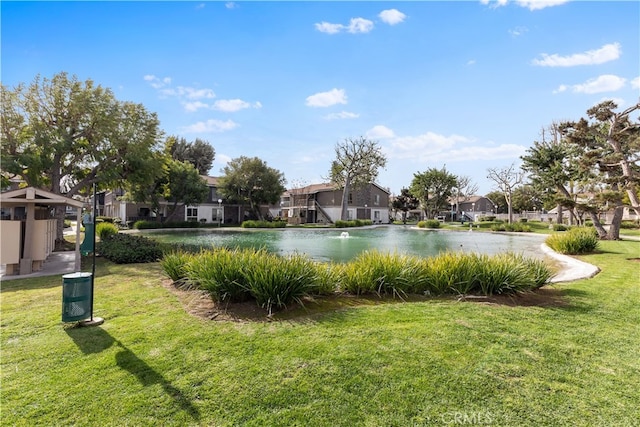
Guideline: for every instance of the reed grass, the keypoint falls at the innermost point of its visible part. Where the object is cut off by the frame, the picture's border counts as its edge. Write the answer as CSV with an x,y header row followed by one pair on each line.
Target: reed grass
x,y
581,240
274,281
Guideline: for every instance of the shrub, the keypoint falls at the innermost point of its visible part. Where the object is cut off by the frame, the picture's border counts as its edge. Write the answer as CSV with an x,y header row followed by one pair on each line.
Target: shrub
x,y
524,220
430,223
575,241
221,272
174,265
560,227
630,224
263,224
146,224
276,281
381,273
513,227
105,230
101,218
352,223
126,249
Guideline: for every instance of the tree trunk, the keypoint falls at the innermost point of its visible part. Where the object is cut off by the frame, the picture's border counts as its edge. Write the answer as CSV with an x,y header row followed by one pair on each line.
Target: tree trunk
x,y
602,233
344,211
59,216
614,228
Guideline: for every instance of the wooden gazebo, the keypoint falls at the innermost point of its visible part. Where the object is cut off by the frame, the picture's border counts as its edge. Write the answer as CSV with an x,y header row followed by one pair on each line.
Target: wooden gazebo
x,y
27,242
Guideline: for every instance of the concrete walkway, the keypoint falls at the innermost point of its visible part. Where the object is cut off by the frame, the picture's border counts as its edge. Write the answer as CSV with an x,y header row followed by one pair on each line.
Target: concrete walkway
x,y
58,263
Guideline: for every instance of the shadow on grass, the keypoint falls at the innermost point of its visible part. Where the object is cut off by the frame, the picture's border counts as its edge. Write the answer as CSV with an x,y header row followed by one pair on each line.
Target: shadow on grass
x,y
95,340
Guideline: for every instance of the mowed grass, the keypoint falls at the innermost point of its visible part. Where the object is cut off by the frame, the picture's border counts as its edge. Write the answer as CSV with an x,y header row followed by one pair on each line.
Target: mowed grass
x,y
571,359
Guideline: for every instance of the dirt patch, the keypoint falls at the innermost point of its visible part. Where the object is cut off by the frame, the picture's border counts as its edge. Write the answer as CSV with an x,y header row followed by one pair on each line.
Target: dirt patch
x,y
542,297
199,304
633,259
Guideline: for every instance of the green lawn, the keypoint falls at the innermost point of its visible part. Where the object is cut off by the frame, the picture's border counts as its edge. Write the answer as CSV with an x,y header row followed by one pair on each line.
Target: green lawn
x,y
568,359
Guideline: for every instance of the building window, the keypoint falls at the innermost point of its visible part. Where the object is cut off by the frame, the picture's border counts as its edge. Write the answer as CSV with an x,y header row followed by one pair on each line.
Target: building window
x,y
350,199
349,214
376,200
376,216
192,214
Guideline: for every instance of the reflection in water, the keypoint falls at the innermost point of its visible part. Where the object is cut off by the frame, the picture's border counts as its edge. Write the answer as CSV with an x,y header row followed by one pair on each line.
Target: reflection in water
x,y
327,245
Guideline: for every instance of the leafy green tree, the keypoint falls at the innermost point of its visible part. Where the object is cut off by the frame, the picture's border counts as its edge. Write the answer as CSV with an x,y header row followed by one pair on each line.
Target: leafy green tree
x,y
551,167
608,147
250,181
183,185
527,198
497,197
356,164
64,135
433,188
404,203
199,153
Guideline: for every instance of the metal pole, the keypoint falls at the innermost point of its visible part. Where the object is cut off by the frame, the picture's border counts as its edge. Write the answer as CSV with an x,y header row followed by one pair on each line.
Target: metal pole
x,y
93,268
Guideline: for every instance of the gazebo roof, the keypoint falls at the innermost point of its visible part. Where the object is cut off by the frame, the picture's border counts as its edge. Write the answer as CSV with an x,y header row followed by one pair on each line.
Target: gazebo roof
x,y
34,195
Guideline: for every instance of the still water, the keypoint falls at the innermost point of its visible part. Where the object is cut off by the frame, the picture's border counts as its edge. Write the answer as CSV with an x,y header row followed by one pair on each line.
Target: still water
x,y
335,245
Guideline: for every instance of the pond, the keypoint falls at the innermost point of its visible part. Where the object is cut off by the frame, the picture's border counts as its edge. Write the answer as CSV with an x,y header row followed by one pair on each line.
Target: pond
x,y
341,245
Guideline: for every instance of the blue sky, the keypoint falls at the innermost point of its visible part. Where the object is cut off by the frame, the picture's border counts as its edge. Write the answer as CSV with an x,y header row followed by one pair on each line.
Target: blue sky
x,y
465,84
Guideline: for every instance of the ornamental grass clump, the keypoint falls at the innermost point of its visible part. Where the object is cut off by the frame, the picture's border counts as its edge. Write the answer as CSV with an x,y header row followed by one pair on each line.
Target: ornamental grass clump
x,y
381,273
174,265
451,272
574,241
106,229
275,281
221,272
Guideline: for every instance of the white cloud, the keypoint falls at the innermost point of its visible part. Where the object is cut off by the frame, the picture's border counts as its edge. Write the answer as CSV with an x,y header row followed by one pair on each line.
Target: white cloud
x,y
518,31
606,53
380,132
157,82
540,4
195,106
356,25
233,105
230,5
327,99
327,27
471,62
359,25
188,92
604,83
392,16
211,125
635,83
342,115
430,142
530,4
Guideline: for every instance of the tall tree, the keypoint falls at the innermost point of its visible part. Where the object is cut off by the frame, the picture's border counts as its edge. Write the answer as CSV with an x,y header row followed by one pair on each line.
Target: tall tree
x,y
183,185
499,202
507,180
550,163
404,203
464,190
609,144
250,181
356,164
199,153
433,188
64,135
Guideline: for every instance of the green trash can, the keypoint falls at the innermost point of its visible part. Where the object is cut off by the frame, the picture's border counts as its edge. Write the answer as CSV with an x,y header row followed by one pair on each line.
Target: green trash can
x,y
76,297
